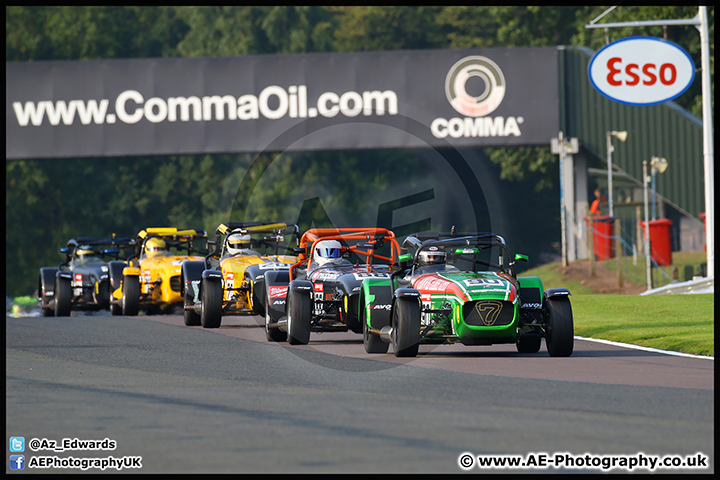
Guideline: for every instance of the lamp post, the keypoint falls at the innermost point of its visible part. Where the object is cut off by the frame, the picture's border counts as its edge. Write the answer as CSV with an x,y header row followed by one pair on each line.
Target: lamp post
x,y
658,164
622,136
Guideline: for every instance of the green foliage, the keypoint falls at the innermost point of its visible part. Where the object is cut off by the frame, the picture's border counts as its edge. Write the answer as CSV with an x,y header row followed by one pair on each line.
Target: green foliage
x,y
49,201
683,323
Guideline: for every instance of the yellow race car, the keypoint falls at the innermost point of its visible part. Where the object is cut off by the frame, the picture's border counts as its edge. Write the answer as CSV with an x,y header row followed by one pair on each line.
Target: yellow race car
x,y
246,274
150,278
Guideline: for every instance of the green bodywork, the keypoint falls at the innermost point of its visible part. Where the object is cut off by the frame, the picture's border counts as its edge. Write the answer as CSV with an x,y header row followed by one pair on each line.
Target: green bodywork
x,y
444,303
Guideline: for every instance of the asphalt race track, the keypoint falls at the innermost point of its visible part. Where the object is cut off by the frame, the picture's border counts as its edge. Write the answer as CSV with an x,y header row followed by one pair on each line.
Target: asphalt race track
x,y
192,400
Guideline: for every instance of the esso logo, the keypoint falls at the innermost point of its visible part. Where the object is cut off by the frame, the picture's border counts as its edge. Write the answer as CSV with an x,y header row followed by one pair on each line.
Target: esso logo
x,y
641,71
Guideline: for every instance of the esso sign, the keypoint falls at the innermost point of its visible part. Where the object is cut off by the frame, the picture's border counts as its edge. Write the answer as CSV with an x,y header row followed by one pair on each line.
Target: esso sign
x,y
641,71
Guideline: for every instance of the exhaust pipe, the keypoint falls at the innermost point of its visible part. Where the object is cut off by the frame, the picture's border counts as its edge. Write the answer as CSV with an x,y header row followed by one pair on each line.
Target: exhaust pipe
x,y
386,334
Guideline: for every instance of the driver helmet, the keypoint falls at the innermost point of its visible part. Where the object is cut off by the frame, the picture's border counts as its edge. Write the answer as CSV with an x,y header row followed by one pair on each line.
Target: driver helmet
x,y
154,246
237,242
327,251
432,256
84,252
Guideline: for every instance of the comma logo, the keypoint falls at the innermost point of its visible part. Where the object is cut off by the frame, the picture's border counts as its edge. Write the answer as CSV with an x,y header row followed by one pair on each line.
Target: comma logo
x,y
486,101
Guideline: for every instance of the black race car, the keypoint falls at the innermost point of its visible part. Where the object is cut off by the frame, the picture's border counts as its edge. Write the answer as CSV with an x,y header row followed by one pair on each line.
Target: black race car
x,y
325,282
81,282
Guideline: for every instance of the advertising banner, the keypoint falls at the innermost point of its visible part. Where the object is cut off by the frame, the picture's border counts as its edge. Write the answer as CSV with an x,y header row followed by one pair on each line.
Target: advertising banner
x,y
323,101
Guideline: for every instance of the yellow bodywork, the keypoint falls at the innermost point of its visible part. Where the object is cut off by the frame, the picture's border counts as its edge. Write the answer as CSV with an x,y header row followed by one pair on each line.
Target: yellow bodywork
x,y
236,288
160,279
160,275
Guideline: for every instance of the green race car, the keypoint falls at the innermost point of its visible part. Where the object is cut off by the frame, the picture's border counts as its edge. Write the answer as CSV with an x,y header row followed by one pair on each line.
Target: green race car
x,y
462,288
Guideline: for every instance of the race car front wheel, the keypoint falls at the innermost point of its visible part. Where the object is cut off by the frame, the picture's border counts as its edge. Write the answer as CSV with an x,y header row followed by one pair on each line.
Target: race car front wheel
x,y
272,334
372,343
211,304
406,327
299,315
559,336
131,295
63,297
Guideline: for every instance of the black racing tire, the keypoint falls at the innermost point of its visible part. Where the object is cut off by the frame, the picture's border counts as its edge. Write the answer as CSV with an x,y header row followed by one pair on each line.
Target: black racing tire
x,y
406,327
351,319
299,316
131,295
272,334
115,309
560,334
210,304
192,319
101,294
63,297
528,343
372,343
255,302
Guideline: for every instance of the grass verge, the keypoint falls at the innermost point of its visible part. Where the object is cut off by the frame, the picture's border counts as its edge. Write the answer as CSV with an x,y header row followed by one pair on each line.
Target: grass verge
x,y
681,323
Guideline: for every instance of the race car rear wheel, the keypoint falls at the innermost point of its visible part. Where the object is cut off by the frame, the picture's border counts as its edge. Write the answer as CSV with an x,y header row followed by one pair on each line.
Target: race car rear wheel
x,y
191,318
131,295
559,337
63,297
115,309
299,315
372,343
406,327
272,334
211,304
528,343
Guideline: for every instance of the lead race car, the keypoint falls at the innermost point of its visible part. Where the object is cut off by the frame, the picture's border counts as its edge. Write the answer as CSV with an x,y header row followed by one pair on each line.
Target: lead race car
x,y
245,274
81,282
462,287
325,282
150,278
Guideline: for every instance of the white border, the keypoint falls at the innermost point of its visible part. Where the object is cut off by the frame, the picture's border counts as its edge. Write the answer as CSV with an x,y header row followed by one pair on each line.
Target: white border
x,y
647,349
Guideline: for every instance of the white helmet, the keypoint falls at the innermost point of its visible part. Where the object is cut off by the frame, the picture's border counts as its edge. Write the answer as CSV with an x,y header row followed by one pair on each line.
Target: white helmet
x,y
237,242
326,251
432,256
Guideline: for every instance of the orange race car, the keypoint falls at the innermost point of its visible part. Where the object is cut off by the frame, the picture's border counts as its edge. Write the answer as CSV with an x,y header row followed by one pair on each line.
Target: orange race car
x,y
150,279
325,283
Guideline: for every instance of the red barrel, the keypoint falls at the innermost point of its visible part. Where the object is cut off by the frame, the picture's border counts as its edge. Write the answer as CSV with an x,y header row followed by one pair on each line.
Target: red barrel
x,y
660,242
603,233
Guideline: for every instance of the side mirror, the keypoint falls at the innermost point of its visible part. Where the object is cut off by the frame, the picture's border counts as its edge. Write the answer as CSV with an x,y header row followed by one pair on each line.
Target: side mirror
x,y
65,250
519,257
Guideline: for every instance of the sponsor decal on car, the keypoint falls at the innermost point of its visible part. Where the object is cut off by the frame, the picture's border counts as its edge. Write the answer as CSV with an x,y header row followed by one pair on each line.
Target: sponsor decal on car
x,y
273,266
278,291
360,276
319,287
432,283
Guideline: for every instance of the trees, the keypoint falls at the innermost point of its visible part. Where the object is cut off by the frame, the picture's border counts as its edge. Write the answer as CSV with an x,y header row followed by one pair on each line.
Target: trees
x,y
49,201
